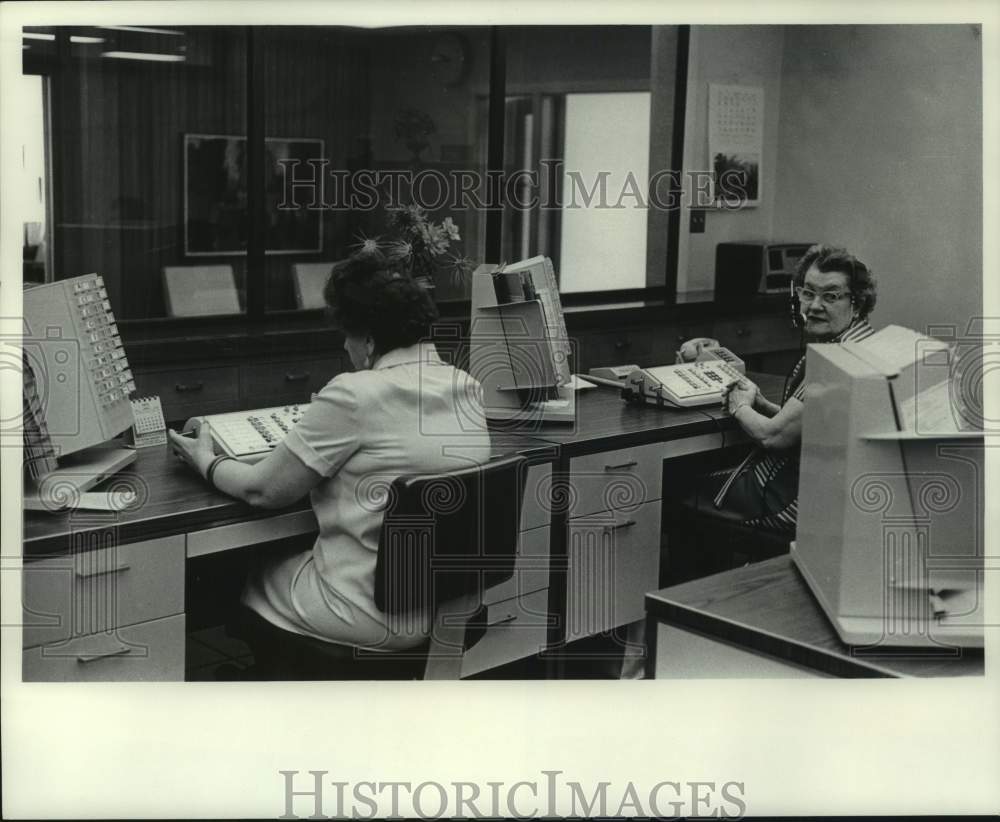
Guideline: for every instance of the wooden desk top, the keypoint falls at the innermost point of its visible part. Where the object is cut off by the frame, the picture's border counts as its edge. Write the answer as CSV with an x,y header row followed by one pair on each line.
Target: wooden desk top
x,y
768,608
604,421
175,500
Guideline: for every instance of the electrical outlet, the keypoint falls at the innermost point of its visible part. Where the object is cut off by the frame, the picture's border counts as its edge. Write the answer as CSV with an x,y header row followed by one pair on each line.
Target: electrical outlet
x,y
697,221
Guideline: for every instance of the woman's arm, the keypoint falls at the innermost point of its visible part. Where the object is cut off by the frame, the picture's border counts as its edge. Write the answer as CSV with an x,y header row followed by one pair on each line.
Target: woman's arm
x,y
783,430
753,395
276,481
764,406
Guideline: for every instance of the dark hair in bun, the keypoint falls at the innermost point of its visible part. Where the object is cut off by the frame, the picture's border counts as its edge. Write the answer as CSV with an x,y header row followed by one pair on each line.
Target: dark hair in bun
x,y
366,296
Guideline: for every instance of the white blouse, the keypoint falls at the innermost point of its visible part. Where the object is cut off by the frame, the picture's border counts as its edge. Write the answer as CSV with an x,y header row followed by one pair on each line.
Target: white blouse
x,y
411,413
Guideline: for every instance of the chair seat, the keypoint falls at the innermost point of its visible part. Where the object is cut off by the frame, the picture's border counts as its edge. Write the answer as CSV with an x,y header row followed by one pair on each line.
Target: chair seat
x,y
704,510
435,557
296,657
702,540
699,506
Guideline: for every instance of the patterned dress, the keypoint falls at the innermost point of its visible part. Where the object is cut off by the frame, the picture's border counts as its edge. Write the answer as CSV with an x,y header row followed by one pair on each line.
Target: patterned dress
x,y
764,487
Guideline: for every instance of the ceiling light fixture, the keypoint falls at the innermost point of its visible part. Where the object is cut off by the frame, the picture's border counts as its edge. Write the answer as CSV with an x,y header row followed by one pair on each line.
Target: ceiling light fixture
x,y
138,55
143,30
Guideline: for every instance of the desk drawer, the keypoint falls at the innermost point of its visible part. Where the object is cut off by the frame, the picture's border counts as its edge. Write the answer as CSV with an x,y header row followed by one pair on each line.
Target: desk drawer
x,y
186,392
614,559
531,572
536,508
251,532
753,335
91,591
287,380
150,651
517,628
616,479
601,348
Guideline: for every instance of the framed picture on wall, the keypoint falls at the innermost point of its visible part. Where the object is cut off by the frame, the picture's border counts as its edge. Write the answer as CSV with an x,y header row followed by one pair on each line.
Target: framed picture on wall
x,y
215,196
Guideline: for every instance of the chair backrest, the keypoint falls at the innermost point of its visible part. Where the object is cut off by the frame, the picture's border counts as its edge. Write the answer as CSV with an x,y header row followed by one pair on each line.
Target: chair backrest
x,y
310,280
449,535
200,290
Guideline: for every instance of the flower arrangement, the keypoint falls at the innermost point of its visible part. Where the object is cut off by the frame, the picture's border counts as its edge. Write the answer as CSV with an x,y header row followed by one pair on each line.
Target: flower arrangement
x,y
419,245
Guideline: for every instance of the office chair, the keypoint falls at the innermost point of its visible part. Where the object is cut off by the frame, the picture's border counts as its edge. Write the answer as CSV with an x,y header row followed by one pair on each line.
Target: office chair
x,y
703,540
445,539
700,539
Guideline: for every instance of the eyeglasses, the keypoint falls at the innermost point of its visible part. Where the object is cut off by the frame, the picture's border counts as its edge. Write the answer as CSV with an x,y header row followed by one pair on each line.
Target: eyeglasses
x,y
805,295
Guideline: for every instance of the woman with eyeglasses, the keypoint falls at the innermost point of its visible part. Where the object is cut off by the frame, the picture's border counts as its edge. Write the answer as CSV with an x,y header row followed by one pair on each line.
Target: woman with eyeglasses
x,y
835,292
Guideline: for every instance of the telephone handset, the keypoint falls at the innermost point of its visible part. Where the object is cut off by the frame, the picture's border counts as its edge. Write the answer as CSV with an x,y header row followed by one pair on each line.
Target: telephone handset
x,y
691,350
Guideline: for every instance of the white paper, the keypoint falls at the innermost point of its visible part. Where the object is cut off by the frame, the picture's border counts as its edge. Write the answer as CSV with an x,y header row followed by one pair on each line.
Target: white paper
x,y
106,501
930,410
897,348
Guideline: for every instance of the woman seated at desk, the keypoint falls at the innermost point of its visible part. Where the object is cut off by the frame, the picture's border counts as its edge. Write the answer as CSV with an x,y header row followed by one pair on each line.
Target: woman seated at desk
x,y
835,294
402,411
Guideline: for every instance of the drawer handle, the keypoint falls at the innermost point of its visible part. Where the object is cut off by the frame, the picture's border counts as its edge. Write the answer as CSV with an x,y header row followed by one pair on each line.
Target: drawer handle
x,y
503,620
102,572
83,660
184,388
297,377
618,525
621,466
742,332
621,345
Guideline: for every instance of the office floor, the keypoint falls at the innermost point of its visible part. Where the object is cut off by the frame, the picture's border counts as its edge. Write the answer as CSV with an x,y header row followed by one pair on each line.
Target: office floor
x,y
211,655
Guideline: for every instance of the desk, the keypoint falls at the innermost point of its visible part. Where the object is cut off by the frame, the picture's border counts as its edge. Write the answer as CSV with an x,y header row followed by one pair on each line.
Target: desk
x,y
762,621
104,592
607,505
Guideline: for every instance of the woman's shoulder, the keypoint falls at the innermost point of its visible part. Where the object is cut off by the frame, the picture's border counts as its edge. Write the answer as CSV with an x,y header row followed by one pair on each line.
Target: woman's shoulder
x,y
343,389
368,381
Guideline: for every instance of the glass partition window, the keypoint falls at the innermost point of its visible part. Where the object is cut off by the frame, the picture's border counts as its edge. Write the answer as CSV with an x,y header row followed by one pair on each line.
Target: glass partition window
x,y
126,202
605,191
32,187
577,149
373,138
359,123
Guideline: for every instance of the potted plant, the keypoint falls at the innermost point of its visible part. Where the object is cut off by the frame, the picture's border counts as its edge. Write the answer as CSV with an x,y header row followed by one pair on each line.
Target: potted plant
x,y
420,247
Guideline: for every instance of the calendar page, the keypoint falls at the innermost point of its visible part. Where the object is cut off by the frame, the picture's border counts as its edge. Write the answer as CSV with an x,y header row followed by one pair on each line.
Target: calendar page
x,y
735,143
